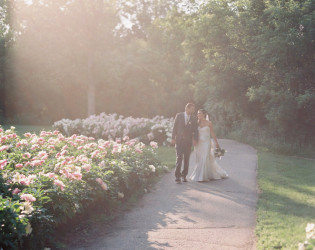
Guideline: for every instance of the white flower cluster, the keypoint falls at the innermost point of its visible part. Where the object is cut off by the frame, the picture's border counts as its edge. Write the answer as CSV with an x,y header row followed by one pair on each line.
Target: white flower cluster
x,y
113,126
310,237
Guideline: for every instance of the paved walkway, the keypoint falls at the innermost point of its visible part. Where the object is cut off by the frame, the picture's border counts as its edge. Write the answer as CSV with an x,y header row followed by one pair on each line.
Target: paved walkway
x,y
218,214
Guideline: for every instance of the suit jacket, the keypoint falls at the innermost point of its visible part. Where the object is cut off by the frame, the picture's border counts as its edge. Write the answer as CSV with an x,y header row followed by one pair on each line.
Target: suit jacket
x,y
182,133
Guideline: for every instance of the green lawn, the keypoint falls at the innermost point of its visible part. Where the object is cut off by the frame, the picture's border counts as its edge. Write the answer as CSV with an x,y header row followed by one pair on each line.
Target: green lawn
x,y
167,156
286,202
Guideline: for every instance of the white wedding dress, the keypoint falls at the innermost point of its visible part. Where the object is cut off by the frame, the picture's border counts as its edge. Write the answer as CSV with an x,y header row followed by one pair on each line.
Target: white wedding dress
x,y
202,163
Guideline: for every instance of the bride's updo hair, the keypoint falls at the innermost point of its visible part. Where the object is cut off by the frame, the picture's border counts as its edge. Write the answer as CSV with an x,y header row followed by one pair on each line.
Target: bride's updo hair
x,y
204,112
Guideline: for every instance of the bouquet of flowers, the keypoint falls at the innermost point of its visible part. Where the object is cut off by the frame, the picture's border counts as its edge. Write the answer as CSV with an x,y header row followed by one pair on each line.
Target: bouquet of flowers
x,y
219,152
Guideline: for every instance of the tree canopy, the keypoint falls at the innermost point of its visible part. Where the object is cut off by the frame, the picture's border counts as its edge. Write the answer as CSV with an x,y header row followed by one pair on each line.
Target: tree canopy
x,y
240,59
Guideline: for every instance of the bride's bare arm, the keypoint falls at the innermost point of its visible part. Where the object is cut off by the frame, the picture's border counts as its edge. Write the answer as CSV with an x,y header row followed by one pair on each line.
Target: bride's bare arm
x,y
213,134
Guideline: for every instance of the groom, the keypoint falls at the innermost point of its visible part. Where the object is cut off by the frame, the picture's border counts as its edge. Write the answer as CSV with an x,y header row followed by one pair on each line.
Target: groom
x,y
185,133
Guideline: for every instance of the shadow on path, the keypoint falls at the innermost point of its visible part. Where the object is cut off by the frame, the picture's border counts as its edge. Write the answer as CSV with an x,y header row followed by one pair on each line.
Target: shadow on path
x,y
193,215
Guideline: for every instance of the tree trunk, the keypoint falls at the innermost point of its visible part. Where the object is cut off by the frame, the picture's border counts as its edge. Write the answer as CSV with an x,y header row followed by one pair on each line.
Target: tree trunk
x,y
91,87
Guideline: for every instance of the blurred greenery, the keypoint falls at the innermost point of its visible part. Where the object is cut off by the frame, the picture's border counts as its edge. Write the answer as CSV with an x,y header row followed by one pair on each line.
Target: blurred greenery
x,y
246,62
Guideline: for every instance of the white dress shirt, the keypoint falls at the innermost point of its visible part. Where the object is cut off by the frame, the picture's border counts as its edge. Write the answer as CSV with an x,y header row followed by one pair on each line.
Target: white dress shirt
x,y
187,117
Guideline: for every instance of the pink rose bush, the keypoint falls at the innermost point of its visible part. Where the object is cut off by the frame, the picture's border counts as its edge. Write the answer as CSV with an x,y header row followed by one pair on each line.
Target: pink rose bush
x,y
115,127
47,179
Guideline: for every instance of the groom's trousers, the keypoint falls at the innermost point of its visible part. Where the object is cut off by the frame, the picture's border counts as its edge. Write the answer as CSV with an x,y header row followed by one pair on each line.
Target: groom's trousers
x,y
182,151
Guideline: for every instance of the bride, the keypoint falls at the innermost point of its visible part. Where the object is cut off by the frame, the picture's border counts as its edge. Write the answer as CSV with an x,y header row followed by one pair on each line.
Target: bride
x,y
202,160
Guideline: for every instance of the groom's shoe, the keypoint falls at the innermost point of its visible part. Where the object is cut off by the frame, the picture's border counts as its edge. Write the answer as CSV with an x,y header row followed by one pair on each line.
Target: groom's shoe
x,y
184,179
177,180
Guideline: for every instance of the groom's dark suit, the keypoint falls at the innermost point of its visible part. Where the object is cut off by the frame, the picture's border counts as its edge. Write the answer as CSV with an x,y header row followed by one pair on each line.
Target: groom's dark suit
x,y
183,134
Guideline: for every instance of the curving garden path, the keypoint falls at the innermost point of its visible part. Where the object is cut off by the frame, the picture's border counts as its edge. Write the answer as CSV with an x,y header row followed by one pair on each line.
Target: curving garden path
x,y
219,214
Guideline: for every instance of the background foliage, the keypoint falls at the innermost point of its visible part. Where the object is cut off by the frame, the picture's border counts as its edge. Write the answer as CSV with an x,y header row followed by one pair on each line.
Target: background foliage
x,y
246,61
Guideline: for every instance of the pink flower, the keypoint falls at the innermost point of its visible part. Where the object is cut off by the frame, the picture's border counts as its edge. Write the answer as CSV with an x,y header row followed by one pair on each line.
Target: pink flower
x,y
56,132
79,141
26,155
73,144
83,158
3,163
50,175
41,141
35,146
132,142
19,165
52,141
115,150
102,183
92,145
63,163
126,138
43,133
61,137
80,148
63,152
11,136
59,184
94,154
27,134
43,154
37,163
4,148
86,167
16,191
153,144
25,180
65,172
138,150
77,176
28,197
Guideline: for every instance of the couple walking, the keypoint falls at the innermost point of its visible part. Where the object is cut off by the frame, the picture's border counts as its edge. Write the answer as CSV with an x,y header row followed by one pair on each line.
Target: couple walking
x,y
187,131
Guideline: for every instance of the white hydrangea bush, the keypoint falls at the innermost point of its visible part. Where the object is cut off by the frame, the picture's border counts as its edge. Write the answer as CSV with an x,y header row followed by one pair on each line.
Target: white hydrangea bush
x,y
114,126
